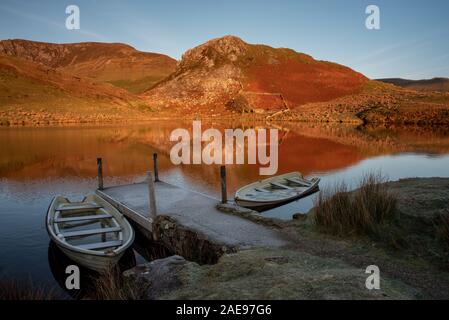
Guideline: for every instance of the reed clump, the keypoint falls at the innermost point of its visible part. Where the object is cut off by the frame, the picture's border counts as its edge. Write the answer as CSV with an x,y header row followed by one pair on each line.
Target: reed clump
x,y
361,212
111,285
26,290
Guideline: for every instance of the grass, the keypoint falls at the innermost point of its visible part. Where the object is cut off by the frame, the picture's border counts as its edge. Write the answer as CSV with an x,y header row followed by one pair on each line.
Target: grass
x,y
441,225
26,290
362,212
138,86
111,285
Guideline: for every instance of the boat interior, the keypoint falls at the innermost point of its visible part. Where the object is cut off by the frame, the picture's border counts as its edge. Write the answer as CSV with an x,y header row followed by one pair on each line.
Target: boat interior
x,y
88,226
284,184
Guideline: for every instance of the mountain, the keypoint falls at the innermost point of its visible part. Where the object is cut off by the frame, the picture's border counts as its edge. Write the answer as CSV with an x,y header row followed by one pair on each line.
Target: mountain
x,y
115,63
228,74
435,84
225,78
31,93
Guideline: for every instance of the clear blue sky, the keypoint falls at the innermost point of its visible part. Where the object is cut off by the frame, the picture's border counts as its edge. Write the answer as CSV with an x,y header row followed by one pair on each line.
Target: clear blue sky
x,y
413,41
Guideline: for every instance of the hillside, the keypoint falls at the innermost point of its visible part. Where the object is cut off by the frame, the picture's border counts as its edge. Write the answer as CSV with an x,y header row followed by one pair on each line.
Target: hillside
x,y
377,103
118,64
228,74
223,78
435,84
33,94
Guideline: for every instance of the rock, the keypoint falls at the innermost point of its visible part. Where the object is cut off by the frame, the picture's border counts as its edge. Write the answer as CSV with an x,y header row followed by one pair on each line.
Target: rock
x,y
161,276
186,242
233,208
254,216
299,216
282,274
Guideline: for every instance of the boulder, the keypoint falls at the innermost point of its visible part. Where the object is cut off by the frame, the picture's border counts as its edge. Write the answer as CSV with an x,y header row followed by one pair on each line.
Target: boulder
x,y
160,277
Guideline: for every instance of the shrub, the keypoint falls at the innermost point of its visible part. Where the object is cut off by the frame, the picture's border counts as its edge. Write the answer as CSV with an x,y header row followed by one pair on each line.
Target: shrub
x,y
110,285
25,290
360,212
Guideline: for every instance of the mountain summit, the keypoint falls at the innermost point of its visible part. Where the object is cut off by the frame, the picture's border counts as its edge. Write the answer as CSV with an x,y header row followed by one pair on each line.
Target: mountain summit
x,y
230,73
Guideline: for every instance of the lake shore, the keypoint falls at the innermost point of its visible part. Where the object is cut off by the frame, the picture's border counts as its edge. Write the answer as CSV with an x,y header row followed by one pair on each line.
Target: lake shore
x,y
411,253
316,265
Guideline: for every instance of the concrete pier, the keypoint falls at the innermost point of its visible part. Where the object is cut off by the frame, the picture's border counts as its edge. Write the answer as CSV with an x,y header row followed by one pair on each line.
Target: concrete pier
x,y
191,211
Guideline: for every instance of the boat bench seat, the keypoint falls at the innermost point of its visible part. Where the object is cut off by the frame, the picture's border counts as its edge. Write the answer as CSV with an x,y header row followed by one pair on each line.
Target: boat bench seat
x,y
280,186
299,182
84,218
90,232
78,207
101,245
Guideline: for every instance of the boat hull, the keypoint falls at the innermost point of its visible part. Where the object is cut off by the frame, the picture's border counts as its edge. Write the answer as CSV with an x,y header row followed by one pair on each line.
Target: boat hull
x,y
96,263
262,205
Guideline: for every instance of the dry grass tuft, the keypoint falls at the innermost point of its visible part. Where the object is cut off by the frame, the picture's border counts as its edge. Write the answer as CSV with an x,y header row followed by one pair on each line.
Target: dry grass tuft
x,y
361,212
112,286
25,290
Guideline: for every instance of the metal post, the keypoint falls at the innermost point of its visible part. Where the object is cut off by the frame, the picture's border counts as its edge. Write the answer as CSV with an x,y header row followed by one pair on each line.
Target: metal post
x,y
100,173
156,171
152,196
224,193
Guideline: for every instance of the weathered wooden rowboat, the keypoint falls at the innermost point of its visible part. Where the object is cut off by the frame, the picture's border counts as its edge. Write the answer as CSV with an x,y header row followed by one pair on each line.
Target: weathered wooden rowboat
x,y
91,232
275,191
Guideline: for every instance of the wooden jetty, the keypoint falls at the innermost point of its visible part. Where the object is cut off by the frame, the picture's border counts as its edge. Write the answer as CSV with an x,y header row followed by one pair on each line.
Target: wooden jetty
x,y
144,202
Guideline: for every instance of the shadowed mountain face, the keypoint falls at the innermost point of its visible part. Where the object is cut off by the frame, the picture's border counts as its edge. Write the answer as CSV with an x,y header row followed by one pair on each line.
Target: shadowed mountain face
x,y
435,84
118,64
228,72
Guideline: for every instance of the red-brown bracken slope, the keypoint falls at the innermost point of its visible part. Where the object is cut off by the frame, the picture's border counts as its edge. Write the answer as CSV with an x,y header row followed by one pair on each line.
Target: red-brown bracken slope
x,y
116,63
228,73
34,94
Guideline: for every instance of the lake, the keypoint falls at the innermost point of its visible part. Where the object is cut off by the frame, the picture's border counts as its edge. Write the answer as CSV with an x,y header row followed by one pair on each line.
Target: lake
x,y
38,163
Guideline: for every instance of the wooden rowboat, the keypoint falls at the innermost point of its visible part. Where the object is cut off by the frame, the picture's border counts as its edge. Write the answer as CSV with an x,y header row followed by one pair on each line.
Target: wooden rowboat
x,y
91,232
275,191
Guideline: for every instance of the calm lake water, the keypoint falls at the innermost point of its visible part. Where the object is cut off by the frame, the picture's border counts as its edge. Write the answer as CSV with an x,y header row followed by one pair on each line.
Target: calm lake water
x,y
38,163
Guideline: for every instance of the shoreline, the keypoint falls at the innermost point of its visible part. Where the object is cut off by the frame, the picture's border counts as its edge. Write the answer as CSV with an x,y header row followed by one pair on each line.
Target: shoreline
x,y
207,119
332,265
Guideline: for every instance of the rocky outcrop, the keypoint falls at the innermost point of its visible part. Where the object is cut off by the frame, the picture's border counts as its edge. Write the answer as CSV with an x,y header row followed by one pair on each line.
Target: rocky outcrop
x,y
260,274
229,74
161,277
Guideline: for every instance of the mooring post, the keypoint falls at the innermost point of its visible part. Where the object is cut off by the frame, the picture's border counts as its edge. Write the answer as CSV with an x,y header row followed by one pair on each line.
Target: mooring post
x,y
100,173
152,195
224,193
156,171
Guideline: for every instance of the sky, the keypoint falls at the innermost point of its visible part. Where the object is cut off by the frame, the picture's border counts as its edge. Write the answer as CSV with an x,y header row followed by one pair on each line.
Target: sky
x,y
412,42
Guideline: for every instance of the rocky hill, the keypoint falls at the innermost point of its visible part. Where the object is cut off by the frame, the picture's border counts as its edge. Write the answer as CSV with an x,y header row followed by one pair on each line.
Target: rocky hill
x,y
115,63
222,78
229,74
